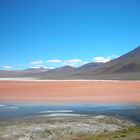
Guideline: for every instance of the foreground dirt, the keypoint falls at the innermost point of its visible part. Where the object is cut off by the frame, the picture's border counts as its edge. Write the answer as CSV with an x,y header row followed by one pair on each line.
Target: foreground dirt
x,y
126,134
70,128
71,91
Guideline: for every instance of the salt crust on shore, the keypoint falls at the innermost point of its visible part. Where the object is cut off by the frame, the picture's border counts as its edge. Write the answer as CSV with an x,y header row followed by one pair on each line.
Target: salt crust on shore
x,y
66,80
60,128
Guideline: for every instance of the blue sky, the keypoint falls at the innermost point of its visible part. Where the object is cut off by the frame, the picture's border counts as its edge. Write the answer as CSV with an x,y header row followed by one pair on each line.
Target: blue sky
x,y
54,33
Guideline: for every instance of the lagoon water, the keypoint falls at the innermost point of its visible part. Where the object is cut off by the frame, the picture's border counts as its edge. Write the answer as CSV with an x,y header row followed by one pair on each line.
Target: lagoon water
x,y
17,111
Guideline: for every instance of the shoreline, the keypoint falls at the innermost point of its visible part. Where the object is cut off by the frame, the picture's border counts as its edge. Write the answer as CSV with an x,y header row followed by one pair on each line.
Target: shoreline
x,y
21,111
66,80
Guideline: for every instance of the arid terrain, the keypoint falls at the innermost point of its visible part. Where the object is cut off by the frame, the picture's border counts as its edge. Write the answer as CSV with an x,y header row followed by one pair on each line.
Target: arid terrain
x,y
71,91
69,128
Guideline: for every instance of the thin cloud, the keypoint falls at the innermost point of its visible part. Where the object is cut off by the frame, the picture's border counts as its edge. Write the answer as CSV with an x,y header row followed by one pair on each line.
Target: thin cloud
x,y
113,56
64,61
101,59
55,61
70,64
38,62
35,67
74,61
104,59
7,67
38,67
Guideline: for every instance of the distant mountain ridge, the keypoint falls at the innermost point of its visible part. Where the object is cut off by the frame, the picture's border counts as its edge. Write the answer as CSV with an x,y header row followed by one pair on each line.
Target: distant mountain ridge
x,y
126,63
126,67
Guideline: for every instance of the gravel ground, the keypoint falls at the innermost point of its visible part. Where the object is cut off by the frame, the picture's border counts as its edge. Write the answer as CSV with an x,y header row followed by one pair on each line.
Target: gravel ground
x,y
61,128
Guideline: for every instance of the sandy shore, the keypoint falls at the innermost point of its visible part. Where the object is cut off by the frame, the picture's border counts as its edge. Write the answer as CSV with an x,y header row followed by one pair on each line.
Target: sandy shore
x,y
66,128
70,91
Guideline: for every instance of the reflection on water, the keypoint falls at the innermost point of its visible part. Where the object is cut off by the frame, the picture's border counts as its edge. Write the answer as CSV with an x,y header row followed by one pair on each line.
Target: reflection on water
x,y
11,111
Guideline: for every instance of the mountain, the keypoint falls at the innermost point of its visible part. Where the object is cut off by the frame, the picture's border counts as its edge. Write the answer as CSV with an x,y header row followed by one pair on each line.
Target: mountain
x,y
126,67
129,62
11,73
64,69
21,73
57,73
69,72
89,67
37,69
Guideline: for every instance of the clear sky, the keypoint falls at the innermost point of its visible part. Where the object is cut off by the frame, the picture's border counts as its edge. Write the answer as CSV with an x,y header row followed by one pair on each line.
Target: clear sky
x,y
53,33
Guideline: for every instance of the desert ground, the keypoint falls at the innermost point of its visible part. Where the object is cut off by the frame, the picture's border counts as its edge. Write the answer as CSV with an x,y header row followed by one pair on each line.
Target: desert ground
x,y
70,128
70,91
